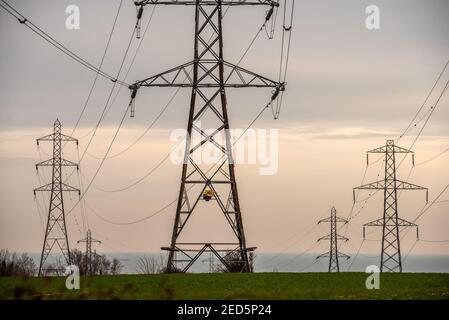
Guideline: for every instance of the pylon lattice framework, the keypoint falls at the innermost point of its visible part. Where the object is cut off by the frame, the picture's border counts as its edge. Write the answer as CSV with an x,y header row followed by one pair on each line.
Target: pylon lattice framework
x,y
391,260
212,74
333,238
56,230
88,255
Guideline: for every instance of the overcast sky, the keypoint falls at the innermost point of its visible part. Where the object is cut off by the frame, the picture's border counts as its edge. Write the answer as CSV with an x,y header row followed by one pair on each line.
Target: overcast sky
x,y
349,89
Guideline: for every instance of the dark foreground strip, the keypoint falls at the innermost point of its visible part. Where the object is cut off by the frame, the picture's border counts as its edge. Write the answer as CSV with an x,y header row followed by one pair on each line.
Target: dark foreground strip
x,y
265,309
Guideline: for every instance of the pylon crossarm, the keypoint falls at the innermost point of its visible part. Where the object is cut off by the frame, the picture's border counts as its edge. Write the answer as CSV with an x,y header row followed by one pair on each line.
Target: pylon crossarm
x,y
49,163
49,186
380,223
373,185
408,186
403,185
405,223
383,149
252,79
49,137
401,150
52,137
375,223
390,148
180,77
345,256
68,138
338,219
370,186
328,237
324,220
324,255
210,2
339,237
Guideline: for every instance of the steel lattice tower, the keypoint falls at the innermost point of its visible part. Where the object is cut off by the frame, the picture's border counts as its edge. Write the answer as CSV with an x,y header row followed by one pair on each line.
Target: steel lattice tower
x,y
56,230
390,222
333,238
212,75
88,255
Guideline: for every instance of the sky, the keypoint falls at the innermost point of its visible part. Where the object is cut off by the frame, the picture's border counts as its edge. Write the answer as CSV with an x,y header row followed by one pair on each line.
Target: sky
x,y
349,89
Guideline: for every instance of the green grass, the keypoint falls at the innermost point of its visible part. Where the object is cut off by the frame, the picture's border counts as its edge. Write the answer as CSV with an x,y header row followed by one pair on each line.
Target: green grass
x,y
232,286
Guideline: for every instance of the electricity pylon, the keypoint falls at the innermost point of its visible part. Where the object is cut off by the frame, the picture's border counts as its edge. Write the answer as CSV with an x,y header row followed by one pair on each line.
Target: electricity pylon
x,y
390,222
212,75
88,255
56,230
210,261
333,238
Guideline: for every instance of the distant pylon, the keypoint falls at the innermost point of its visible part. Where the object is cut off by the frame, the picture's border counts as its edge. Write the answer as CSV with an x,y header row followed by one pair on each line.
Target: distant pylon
x,y
88,255
333,237
211,262
390,223
56,231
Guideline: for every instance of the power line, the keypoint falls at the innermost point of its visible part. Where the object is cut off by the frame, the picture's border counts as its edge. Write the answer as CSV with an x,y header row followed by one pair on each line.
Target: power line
x,y
164,109
102,161
103,114
136,221
119,89
426,208
109,96
427,116
435,241
298,255
432,108
145,176
100,66
176,199
283,73
356,255
302,236
433,158
38,31
411,248
149,173
425,101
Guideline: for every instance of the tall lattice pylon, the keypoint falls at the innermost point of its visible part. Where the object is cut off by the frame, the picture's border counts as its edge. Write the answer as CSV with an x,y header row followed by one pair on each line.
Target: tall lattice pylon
x,y
333,238
390,222
56,230
88,255
210,186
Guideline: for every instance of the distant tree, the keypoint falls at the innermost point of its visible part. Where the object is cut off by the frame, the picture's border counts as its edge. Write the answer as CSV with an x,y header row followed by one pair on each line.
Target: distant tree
x,y
150,265
116,266
100,264
78,258
11,264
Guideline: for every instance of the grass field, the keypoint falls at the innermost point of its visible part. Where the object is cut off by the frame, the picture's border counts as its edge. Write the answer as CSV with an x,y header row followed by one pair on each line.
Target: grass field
x,y
232,286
